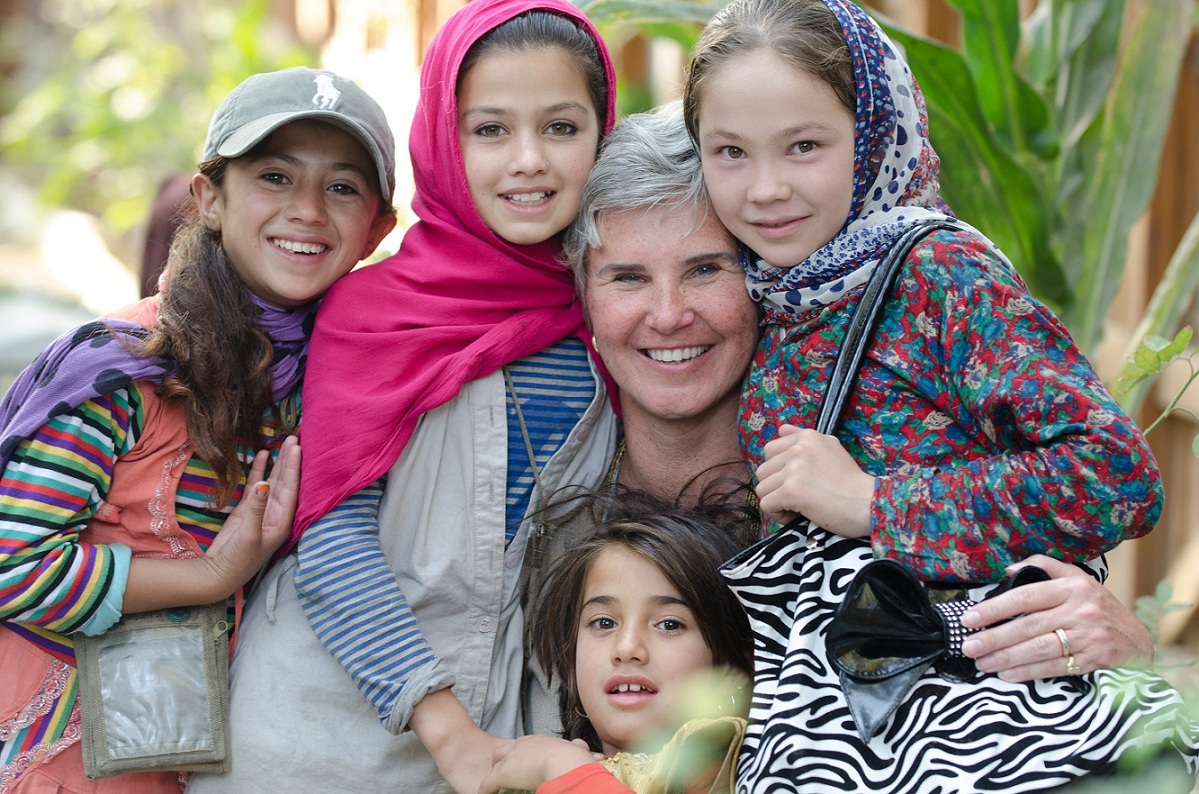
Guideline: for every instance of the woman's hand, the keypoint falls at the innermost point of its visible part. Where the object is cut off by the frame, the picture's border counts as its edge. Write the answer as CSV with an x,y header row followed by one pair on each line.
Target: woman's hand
x,y
529,761
1100,630
461,749
811,473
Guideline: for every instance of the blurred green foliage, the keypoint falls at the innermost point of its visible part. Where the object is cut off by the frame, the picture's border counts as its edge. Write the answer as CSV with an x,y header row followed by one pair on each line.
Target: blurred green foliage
x,y
118,93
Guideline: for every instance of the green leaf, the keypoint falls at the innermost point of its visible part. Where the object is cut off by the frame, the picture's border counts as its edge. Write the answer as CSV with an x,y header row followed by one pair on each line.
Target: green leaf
x,y
1148,360
1012,107
980,179
1117,186
1127,382
1091,38
637,12
685,33
1170,299
1156,343
1166,350
125,102
1164,591
1056,29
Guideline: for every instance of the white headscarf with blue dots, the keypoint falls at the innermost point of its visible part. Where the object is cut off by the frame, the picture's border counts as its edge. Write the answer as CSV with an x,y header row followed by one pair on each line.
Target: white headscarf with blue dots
x,y
895,180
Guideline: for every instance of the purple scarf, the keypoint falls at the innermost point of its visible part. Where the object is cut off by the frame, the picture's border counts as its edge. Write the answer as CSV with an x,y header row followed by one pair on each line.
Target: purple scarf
x,y
91,361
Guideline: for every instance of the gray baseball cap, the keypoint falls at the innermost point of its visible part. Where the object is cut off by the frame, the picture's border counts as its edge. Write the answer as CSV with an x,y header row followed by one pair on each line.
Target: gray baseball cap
x,y
265,102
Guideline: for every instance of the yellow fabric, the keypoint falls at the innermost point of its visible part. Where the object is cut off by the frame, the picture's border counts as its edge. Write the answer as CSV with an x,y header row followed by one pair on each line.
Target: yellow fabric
x,y
699,759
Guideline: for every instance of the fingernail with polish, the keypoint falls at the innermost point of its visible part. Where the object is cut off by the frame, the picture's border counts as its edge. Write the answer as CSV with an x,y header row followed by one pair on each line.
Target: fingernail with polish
x,y
261,490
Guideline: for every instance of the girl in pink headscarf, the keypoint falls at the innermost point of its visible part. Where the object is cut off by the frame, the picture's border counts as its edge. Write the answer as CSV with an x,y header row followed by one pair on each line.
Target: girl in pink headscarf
x,y
450,391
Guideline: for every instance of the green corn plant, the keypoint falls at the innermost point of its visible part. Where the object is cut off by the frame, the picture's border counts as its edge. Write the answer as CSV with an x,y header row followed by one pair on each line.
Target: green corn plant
x,y
1050,133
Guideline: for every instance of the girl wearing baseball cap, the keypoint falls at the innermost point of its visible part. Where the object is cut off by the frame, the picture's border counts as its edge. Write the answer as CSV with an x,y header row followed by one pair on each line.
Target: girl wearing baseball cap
x,y
134,450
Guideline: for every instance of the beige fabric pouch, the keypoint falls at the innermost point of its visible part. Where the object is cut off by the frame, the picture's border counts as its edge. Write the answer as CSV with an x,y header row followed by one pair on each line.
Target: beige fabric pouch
x,y
154,693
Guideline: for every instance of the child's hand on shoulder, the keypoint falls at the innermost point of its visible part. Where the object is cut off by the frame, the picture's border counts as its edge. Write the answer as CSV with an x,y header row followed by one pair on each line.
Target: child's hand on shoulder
x,y
527,762
810,473
262,520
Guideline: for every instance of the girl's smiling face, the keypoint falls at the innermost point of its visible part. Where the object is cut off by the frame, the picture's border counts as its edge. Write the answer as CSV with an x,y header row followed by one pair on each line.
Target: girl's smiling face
x,y
637,645
777,147
527,144
297,212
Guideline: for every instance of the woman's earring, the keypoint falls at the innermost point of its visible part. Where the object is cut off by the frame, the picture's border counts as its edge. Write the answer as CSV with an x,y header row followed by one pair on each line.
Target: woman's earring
x,y
594,344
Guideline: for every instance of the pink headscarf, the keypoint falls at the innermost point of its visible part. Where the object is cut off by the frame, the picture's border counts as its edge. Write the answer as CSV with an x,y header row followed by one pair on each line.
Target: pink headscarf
x,y
401,337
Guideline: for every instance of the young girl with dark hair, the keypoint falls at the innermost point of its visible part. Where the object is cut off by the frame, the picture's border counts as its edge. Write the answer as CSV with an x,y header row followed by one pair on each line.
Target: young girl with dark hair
x,y
126,446
633,623
976,433
452,390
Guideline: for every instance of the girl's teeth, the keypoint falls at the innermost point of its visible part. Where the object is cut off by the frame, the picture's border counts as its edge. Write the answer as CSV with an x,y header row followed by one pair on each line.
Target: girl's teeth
x,y
628,688
528,198
300,248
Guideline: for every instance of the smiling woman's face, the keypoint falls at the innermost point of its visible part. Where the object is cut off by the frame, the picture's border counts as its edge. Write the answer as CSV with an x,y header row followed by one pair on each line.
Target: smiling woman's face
x,y
672,319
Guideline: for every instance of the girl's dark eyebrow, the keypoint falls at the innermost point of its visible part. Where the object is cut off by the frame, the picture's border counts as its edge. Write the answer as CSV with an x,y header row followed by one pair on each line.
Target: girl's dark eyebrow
x,y
807,128
491,110
570,105
660,600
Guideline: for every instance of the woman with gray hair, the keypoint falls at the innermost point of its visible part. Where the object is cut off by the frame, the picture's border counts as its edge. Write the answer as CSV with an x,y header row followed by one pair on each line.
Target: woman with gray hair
x,y
665,297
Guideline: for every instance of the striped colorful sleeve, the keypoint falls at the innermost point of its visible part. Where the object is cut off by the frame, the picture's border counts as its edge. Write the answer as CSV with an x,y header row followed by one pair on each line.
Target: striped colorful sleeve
x,y
354,604
56,479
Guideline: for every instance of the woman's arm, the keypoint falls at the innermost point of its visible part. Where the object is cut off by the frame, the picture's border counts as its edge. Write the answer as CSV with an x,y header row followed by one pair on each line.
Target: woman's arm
x,y
549,766
353,602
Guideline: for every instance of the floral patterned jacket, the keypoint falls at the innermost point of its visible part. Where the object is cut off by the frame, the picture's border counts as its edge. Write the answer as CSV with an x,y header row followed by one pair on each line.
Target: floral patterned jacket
x,y
990,433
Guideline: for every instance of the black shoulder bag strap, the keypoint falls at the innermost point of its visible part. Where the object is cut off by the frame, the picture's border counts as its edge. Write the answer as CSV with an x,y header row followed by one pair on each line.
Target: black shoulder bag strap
x,y
881,644
857,338
865,319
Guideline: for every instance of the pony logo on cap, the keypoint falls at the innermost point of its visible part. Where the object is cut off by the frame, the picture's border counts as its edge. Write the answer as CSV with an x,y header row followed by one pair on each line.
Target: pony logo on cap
x,y
326,93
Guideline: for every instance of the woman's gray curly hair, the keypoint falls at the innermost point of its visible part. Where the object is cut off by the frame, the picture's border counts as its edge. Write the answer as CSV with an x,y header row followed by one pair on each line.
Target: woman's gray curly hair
x,y
647,162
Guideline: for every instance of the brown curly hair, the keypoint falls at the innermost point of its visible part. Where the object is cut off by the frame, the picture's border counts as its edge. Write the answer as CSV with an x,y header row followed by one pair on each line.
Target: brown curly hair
x,y
222,359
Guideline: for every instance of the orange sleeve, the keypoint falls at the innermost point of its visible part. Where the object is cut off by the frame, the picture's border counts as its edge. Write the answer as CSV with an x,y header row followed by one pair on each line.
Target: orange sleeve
x,y
586,779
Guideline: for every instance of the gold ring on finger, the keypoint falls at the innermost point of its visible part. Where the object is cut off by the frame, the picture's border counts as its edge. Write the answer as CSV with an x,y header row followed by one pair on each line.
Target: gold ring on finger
x,y
1061,637
1072,667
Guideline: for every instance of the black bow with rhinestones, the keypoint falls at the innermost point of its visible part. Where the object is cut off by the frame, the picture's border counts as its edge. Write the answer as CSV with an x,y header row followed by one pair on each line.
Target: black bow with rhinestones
x,y
891,628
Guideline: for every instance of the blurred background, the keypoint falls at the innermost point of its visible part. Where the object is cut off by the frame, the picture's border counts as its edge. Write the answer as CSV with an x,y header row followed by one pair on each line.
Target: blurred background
x,y
1072,127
